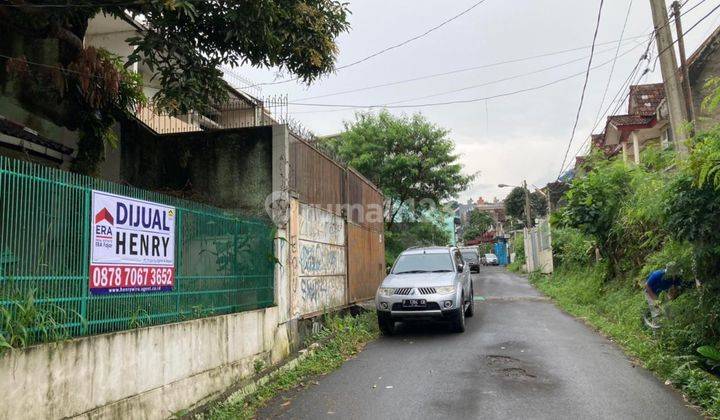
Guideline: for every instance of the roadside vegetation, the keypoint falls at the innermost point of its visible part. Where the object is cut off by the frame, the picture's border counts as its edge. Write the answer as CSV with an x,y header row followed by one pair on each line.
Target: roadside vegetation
x,y
340,339
640,218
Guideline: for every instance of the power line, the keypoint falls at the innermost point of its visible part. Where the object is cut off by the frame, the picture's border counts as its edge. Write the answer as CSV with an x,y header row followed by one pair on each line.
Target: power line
x,y
701,19
612,69
647,69
461,70
497,80
390,48
582,95
618,99
424,34
351,106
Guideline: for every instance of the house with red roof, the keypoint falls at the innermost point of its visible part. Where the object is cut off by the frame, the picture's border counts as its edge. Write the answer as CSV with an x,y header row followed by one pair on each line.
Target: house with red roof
x,y
646,120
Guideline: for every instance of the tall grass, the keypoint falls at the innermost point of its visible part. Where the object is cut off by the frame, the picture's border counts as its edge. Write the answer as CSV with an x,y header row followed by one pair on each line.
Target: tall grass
x,y
615,308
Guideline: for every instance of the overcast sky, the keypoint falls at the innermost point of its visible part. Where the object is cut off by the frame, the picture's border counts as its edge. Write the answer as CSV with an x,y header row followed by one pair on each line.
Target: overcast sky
x,y
506,139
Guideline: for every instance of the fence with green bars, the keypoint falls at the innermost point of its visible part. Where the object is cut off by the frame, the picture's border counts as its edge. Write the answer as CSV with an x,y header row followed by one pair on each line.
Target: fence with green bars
x,y
224,263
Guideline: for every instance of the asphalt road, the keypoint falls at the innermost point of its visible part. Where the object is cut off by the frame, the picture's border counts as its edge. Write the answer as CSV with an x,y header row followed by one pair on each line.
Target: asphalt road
x,y
520,357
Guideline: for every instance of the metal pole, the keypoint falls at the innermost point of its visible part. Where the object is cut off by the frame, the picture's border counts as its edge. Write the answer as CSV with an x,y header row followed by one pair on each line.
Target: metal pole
x,y
528,220
668,66
689,109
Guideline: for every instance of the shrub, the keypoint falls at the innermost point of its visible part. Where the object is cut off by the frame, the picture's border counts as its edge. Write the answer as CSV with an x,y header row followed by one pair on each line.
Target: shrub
x,y
572,248
593,203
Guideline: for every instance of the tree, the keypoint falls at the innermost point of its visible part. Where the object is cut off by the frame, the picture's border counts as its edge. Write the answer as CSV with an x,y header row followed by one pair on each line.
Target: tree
x,y
184,42
417,233
515,204
408,158
478,223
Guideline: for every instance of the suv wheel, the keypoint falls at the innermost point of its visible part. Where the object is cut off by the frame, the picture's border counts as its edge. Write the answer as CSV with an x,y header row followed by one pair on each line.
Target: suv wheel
x,y
470,311
385,323
458,324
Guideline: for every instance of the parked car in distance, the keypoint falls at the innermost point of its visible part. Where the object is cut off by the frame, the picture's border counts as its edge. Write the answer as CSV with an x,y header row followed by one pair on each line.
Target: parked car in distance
x,y
431,283
472,258
490,259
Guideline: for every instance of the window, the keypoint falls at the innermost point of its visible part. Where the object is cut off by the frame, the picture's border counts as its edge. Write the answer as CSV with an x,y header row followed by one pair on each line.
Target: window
x,y
423,263
470,256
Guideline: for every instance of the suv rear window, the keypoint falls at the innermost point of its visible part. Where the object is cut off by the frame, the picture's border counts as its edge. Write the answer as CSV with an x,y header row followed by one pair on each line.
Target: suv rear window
x,y
470,256
423,263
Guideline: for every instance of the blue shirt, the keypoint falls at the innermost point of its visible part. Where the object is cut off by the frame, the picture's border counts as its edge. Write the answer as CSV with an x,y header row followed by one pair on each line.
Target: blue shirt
x,y
659,283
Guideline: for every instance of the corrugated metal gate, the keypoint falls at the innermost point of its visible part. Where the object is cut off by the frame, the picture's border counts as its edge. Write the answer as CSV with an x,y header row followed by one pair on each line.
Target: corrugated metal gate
x,y
366,243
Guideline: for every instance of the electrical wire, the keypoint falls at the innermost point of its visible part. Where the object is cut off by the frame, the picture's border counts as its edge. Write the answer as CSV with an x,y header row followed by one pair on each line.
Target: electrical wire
x,y
504,79
612,69
584,89
461,70
463,101
346,107
390,48
647,70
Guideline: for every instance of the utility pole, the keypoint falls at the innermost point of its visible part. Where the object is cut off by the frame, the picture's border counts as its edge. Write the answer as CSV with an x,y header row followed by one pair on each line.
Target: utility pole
x,y
668,66
528,220
689,109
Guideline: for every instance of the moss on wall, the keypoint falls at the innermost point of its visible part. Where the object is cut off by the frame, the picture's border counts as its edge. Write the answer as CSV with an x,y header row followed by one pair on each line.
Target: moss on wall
x,y
231,169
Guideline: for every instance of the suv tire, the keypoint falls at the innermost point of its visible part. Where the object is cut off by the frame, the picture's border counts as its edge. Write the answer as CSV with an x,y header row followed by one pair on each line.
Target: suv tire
x,y
385,323
470,311
458,323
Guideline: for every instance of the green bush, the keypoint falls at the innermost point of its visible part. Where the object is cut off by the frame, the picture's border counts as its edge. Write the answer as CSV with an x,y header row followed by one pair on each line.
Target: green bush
x,y
643,217
572,248
517,244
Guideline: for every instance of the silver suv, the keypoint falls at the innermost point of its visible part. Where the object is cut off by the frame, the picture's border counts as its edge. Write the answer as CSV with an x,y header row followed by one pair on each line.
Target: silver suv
x,y
426,283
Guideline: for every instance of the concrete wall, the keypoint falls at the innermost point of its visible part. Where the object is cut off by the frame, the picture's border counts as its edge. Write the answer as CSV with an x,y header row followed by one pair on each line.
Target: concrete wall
x,y
230,168
538,249
146,373
317,255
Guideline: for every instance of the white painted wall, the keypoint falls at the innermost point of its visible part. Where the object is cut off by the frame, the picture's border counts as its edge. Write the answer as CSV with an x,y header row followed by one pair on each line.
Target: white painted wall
x,y
318,249
146,373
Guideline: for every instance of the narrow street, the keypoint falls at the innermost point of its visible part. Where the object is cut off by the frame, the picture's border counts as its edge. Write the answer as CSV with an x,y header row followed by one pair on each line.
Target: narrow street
x,y
520,357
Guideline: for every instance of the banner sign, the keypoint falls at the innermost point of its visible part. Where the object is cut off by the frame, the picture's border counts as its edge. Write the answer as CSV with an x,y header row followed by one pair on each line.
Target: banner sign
x,y
133,245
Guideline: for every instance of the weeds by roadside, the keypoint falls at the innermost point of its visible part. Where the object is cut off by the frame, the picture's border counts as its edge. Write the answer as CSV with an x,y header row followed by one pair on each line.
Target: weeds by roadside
x,y
615,308
340,339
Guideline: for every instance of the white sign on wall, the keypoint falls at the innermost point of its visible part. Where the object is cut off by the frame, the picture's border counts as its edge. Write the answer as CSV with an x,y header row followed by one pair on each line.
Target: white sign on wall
x,y
132,245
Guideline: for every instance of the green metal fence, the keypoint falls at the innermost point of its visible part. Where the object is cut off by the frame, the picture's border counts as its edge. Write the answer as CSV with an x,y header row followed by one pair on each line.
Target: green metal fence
x,y
223,262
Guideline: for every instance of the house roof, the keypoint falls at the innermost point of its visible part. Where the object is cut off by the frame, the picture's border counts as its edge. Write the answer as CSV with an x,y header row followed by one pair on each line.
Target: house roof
x,y
699,58
624,120
644,99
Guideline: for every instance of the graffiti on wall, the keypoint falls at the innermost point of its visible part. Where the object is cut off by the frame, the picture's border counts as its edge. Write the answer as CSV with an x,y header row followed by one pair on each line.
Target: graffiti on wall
x,y
319,293
318,259
320,226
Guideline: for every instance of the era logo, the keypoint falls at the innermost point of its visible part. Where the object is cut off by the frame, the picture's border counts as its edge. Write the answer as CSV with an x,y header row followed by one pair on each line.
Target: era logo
x,y
104,214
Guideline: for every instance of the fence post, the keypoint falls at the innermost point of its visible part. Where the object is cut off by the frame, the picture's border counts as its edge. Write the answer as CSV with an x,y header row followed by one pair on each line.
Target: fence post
x,y
86,258
178,260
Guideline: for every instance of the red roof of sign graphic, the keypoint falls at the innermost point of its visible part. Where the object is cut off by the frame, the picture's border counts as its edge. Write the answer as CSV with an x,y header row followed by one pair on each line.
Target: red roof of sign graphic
x,y
104,214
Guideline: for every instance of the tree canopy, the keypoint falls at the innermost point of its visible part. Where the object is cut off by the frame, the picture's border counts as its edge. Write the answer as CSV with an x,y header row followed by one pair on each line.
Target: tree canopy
x,y
408,158
478,223
183,42
515,204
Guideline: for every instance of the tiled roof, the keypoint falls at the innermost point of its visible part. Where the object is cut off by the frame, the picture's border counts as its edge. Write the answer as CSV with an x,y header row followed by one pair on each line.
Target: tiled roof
x,y
644,99
19,131
698,58
618,120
